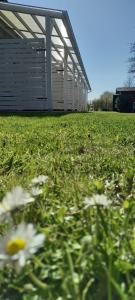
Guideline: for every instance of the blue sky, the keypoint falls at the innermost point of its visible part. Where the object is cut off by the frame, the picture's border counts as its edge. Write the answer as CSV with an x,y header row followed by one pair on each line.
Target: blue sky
x,y
104,30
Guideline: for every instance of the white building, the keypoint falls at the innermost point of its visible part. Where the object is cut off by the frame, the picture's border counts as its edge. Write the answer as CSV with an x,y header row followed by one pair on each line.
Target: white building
x,y
40,64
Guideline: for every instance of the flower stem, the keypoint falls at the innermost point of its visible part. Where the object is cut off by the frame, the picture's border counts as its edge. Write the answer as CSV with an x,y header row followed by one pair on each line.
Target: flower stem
x,y
71,268
37,282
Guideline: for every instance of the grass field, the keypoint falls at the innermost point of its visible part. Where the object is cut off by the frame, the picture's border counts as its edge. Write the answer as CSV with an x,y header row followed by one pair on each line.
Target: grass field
x,y
89,252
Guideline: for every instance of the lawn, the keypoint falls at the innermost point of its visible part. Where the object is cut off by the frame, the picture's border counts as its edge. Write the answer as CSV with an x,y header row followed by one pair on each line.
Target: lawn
x,y
89,250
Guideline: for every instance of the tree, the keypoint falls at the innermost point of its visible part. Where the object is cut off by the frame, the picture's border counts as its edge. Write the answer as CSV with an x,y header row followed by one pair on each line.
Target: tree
x,y
129,82
132,59
105,102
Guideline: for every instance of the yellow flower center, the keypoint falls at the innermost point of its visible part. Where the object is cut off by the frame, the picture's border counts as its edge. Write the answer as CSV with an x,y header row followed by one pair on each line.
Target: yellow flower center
x,y
14,246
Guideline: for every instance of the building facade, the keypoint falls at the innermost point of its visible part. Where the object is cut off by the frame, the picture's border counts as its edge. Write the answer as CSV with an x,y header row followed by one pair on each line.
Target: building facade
x,y
40,64
124,100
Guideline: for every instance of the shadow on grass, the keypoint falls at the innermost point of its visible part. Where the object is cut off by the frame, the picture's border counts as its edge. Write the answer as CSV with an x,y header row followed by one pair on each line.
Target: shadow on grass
x,y
39,114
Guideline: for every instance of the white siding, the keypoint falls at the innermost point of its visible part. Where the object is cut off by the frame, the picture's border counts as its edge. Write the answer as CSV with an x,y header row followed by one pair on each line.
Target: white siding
x,y
22,75
23,84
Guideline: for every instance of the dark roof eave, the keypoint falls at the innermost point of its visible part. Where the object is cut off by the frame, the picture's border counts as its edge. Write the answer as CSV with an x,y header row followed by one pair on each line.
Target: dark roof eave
x,y
125,89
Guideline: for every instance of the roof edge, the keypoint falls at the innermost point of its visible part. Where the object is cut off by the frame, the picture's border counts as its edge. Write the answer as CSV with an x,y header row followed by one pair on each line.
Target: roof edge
x,y
41,11
73,40
124,89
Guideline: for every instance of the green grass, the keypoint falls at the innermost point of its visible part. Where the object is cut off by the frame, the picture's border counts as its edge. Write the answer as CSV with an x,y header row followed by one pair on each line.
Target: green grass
x,y
88,254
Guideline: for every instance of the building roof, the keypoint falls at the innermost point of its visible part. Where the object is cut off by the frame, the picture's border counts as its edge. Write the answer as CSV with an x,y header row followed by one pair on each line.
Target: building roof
x,y
29,22
125,89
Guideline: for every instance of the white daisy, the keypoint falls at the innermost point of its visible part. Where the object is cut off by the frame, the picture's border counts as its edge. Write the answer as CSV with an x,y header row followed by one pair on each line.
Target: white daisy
x,y
41,179
91,177
4,214
107,183
17,197
18,245
97,200
36,191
